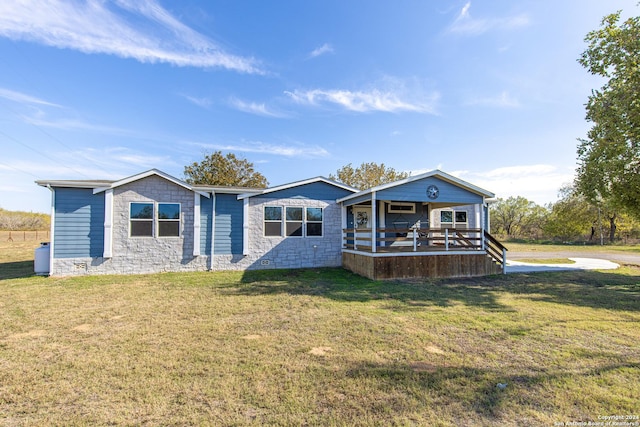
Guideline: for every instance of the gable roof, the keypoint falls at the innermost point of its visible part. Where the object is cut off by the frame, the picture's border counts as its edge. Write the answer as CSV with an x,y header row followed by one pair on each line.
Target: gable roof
x,y
434,173
101,185
298,184
142,175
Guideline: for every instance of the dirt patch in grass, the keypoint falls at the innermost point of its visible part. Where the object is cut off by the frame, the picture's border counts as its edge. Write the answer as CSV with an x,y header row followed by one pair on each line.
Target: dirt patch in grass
x,y
433,349
252,337
320,351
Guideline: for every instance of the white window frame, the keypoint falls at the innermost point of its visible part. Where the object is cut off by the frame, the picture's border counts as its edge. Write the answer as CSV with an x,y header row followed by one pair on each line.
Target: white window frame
x,y
307,222
466,215
392,207
301,221
272,221
158,220
453,222
155,220
152,220
283,222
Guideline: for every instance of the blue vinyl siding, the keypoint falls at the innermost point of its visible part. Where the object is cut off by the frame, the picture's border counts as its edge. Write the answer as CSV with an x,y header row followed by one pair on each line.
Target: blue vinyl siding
x,y
228,227
78,223
315,190
416,191
206,205
405,220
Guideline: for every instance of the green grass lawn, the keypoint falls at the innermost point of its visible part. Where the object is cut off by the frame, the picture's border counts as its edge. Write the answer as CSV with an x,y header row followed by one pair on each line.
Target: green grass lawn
x,y
316,347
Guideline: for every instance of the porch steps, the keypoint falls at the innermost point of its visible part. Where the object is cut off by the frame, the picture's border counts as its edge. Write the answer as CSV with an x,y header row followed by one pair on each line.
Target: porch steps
x,y
496,251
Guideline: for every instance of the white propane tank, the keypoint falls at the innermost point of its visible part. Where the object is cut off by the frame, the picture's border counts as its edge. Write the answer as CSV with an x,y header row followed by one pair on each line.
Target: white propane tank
x,y
41,259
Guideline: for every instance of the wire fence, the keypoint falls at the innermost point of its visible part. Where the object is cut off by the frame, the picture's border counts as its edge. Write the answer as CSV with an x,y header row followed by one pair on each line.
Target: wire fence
x,y
24,236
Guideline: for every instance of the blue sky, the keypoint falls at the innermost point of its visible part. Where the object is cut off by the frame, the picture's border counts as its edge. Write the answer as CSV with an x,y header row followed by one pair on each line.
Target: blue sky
x,y
489,91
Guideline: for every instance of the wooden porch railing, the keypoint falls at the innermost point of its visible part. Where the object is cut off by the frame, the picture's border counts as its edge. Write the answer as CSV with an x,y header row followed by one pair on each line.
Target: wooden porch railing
x,y
496,250
425,240
390,239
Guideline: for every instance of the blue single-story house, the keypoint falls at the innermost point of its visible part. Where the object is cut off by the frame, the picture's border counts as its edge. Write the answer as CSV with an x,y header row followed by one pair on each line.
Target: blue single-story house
x,y
431,224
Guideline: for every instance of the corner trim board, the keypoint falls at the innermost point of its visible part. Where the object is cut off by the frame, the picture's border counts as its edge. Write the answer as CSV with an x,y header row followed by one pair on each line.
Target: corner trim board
x,y
245,227
196,224
107,250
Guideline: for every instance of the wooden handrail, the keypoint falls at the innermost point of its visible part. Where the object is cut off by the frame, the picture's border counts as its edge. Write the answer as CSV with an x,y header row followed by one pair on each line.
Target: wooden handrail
x,y
497,250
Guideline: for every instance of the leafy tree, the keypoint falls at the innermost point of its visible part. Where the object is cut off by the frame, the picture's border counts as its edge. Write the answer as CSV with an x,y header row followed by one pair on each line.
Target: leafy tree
x,y
367,175
533,226
609,158
513,216
229,170
628,227
572,217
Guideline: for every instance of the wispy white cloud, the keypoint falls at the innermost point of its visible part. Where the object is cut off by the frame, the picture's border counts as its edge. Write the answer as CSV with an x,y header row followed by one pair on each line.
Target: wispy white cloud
x,y
363,101
255,108
324,49
42,113
25,99
70,124
138,29
288,150
467,25
503,100
539,183
200,102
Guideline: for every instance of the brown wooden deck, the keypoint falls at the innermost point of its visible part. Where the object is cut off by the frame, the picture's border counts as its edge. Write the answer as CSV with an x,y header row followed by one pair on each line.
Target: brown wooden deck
x,y
432,253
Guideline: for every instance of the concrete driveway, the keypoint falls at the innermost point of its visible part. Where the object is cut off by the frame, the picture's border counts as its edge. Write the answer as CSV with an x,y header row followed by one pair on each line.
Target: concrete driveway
x,y
578,264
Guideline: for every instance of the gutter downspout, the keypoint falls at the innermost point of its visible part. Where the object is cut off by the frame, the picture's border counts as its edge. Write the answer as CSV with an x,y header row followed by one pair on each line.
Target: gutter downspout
x,y
51,233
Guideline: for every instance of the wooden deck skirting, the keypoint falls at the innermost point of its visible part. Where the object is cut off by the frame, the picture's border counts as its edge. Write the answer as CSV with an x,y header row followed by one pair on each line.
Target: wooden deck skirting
x,y
432,253
408,265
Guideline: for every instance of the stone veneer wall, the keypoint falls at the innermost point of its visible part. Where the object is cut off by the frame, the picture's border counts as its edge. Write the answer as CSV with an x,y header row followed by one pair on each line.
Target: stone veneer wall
x,y
288,252
136,255
133,255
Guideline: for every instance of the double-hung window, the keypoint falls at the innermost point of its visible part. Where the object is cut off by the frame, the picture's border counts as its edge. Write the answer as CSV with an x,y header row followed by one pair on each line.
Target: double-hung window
x,y
168,219
292,221
314,222
149,220
453,219
141,219
273,221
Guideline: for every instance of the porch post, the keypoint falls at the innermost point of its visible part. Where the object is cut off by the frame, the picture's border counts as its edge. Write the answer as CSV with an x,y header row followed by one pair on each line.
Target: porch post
x,y
415,239
373,222
478,211
343,223
446,239
482,241
382,220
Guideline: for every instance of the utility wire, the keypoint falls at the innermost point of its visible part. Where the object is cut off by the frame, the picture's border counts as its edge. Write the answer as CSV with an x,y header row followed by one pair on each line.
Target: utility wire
x,y
41,153
19,170
34,66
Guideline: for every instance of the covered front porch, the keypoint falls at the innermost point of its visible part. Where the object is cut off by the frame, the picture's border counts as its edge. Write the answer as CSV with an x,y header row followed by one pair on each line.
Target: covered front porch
x,y
431,225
